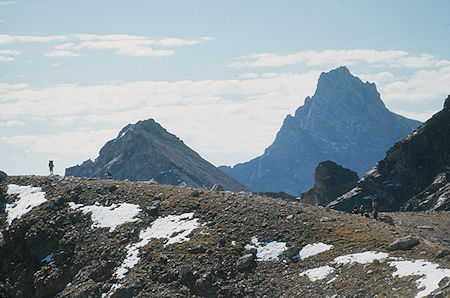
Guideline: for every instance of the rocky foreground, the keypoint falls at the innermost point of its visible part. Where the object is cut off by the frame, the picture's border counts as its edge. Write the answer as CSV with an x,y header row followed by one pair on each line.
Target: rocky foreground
x,y
106,238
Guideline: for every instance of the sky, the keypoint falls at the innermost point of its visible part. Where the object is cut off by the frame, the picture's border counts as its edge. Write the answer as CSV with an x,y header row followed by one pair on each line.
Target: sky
x,y
220,75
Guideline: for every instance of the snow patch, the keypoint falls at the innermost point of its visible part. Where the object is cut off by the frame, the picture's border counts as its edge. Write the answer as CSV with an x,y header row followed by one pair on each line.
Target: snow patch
x,y
362,258
267,251
318,273
314,249
109,217
176,228
432,275
29,197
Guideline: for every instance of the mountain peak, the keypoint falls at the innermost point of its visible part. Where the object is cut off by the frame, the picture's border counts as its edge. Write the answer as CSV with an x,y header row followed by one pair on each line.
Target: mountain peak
x,y
146,150
345,121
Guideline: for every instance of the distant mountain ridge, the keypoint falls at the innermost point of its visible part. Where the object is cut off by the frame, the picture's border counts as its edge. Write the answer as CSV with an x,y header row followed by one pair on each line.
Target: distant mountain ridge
x,y
414,175
345,121
145,150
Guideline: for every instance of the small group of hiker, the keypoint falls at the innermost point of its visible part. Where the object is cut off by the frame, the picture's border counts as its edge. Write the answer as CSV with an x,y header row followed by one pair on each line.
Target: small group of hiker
x,y
364,212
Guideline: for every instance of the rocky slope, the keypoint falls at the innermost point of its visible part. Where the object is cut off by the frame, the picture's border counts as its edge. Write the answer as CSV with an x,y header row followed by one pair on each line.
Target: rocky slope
x,y
330,181
107,238
414,175
345,121
145,150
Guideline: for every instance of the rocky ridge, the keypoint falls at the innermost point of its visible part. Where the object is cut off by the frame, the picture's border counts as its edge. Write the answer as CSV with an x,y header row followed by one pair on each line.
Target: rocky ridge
x,y
345,121
62,248
146,151
330,181
414,175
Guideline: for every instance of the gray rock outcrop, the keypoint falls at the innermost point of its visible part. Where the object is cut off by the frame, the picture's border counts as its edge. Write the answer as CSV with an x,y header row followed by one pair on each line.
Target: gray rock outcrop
x,y
330,181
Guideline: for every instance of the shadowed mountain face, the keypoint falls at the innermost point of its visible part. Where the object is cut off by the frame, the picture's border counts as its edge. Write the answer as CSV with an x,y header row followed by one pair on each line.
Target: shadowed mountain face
x,y
345,121
414,175
145,150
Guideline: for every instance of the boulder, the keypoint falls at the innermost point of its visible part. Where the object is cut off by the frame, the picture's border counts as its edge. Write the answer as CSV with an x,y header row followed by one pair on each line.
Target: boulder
x,y
443,253
217,187
291,252
245,262
404,243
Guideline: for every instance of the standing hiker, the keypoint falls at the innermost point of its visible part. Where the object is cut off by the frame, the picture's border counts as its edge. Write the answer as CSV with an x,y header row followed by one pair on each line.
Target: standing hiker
x,y
374,209
51,166
361,210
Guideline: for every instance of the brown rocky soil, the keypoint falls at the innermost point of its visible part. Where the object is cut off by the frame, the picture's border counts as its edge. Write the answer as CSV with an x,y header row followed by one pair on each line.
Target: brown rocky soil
x,y
84,259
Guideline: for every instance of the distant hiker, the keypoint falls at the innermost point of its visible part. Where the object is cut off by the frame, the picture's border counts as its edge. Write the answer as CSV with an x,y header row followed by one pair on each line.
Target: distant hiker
x,y
375,214
51,166
374,209
355,210
361,210
108,175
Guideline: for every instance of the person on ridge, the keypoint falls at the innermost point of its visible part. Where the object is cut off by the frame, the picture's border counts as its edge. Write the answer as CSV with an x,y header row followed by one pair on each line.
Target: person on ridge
x,y
51,166
361,210
355,210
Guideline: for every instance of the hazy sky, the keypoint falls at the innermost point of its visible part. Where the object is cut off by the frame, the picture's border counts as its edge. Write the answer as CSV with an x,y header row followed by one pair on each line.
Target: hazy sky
x,y
221,75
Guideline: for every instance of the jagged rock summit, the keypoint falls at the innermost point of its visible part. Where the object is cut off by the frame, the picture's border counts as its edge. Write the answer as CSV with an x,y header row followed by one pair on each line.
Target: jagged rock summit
x,y
345,121
414,175
330,181
145,150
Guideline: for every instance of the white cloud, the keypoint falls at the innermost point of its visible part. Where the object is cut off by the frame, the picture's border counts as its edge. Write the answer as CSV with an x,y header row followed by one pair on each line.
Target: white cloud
x,y
8,55
391,58
384,76
12,123
5,87
227,121
83,141
61,53
423,85
245,114
124,44
421,116
4,3
5,38
121,44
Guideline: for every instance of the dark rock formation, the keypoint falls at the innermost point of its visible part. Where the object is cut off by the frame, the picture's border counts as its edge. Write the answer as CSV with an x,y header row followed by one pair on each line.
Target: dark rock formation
x,y
145,150
330,181
345,121
414,175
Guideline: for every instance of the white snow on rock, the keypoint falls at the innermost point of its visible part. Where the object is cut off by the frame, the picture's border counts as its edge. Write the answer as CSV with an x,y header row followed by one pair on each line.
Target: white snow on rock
x,y
362,258
318,273
176,228
314,249
29,197
267,251
432,275
109,216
